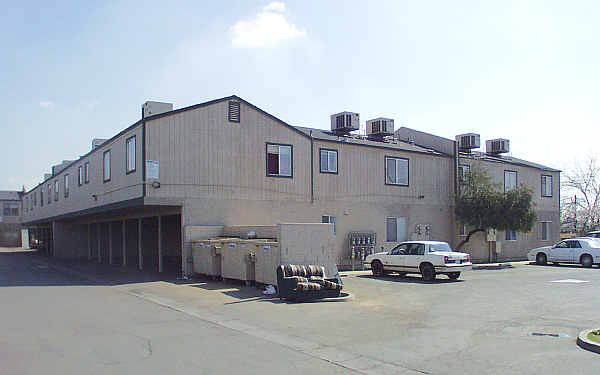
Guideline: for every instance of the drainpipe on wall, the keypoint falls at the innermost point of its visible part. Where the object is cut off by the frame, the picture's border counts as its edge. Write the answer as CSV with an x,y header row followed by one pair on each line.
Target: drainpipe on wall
x,y
143,155
312,167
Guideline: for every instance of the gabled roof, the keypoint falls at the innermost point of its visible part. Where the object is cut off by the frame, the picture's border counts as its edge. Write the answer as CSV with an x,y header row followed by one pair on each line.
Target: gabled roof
x,y
10,195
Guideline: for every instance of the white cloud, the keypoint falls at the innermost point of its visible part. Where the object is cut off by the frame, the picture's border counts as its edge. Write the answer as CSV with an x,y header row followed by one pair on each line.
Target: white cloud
x,y
269,27
47,104
275,6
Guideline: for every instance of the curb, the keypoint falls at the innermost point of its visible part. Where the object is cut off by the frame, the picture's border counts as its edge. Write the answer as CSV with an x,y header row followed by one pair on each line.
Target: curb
x,y
499,266
586,343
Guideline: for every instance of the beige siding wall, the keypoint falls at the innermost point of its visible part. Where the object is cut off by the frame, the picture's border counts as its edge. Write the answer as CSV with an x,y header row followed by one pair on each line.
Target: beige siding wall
x,y
547,209
121,186
203,155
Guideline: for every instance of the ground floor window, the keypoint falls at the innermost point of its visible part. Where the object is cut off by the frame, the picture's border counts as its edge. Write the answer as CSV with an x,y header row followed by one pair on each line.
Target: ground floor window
x,y
330,220
545,230
397,229
511,235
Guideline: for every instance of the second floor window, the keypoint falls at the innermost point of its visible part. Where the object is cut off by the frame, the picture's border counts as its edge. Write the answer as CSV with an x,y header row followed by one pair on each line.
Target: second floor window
x,y
510,181
327,219
66,185
463,173
80,175
396,171
329,161
49,193
546,186
56,190
86,172
41,197
130,149
279,160
11,209
106,165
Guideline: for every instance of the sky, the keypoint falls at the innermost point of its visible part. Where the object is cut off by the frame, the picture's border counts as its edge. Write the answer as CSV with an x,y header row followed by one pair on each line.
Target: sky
x,y
523,70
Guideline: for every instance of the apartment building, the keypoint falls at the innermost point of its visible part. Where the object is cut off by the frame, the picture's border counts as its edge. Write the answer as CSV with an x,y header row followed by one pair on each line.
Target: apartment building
x,y
132,199
507,172
10,218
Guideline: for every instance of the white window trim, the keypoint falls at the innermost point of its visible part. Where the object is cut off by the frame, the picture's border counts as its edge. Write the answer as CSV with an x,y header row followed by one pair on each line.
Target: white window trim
x,y
396,166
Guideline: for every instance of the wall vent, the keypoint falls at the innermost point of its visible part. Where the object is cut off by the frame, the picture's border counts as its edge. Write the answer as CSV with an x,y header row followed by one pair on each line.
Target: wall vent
x,y
468,141
344,122
497,146
234,111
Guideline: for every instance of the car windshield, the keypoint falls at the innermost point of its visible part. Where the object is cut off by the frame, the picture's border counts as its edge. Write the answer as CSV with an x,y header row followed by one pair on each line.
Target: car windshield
x,y
440,247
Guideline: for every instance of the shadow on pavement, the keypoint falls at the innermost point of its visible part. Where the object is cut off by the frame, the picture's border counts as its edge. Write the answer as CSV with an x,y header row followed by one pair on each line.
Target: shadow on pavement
x,y
411,279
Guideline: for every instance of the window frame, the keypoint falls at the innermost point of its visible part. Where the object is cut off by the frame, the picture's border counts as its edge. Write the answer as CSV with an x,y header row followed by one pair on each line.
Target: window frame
x,y
548,231
56,189
80,175
86,172
385,160
49,187
329,217
516,179
267,144
551,185
127,170
104,179
387,233
462,178
511,239
328,150
8,206
66,183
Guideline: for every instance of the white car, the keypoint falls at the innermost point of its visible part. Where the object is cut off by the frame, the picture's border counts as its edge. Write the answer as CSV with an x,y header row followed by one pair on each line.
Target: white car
x,y
429,258
575,250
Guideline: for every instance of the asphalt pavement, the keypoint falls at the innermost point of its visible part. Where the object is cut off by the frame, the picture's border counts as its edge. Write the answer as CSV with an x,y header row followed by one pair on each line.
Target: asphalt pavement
x,y
77,317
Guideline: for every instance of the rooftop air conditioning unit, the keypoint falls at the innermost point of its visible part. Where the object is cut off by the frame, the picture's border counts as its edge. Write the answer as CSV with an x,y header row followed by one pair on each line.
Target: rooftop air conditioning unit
x,y
344,122
380,127
154,108
497,146
468,141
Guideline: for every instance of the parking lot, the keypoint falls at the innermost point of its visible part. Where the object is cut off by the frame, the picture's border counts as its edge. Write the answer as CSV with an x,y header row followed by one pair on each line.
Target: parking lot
x,y
88,318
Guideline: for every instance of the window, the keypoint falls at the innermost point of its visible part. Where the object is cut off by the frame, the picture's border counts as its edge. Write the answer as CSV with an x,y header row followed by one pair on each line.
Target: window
x,y
330,220
79,176
49,193
396,171
463,173
41,197
416,249
66,185
511,235
130,150
11,209
546,186
25,204
545,230
400,250
106,165
279,160
510,180
86,172
328,161
56,190
234,111
462,230
397,230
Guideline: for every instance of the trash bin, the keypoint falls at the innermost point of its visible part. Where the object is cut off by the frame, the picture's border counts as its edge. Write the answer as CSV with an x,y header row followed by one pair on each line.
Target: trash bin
x,y
206,257
237,260
267,258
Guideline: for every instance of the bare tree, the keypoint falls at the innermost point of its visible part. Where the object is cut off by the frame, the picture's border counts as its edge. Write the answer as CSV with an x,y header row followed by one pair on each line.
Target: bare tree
x,y
581,192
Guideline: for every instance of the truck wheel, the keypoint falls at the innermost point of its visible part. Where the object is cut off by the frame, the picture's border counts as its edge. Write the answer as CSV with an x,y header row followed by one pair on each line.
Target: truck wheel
x,y
377,268
454,275
427,272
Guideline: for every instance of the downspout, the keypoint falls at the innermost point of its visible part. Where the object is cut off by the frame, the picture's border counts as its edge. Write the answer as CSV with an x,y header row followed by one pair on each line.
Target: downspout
x,y
312,168
456,187
143,155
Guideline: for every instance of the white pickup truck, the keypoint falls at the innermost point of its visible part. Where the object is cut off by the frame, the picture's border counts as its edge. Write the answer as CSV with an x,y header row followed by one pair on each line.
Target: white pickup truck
x,y
428,258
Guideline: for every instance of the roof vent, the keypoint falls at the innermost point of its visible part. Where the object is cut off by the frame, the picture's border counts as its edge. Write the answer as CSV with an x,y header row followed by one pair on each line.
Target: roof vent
x,y
96,142
497,146
380,127
344,122
154,108
468,141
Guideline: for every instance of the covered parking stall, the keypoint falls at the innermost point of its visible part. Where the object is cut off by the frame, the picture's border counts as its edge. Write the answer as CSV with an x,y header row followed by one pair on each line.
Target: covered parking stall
x,y
146,237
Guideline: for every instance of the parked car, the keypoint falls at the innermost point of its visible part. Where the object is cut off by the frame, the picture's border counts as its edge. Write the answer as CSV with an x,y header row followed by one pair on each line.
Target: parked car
x,y
594,234
428,258
585,251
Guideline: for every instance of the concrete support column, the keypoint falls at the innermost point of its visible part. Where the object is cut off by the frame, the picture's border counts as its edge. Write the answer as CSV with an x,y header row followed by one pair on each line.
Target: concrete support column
x,y
110,246
140,257
124,245
98,233
89,230
160,259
